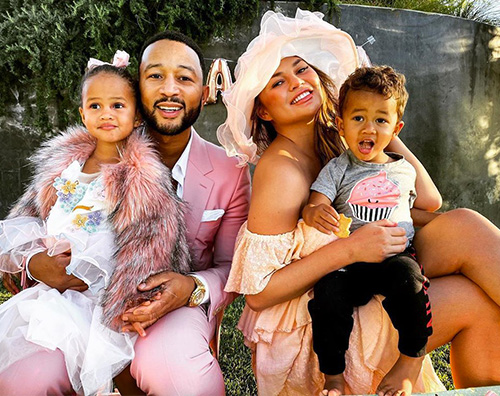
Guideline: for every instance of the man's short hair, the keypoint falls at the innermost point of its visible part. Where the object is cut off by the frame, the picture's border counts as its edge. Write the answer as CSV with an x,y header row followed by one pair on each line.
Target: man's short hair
x,y
174,36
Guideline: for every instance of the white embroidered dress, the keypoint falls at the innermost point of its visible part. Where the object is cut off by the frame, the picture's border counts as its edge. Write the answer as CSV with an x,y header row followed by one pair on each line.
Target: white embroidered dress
x,y
41,318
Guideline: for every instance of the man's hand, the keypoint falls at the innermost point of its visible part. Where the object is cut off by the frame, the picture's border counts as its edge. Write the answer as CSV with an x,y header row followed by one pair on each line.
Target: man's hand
x,y
51,270
9,283
176,291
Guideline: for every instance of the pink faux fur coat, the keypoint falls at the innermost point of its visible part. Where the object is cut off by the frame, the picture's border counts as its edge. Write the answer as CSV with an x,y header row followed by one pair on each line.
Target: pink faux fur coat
x,y
146,215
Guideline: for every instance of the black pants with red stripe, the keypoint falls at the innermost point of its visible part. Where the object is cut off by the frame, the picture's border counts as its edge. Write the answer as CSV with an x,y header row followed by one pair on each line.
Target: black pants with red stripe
x,y
399,278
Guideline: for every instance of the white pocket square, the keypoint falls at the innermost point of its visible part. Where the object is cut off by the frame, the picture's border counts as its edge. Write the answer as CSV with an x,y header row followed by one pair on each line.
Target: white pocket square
x,y
212,215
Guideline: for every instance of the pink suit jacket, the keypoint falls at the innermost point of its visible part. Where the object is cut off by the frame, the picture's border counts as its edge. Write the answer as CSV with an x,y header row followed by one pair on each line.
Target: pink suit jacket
x,y
212,182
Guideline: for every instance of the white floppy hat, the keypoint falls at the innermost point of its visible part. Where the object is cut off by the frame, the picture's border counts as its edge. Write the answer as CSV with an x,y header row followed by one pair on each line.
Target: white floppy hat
x,y
317,42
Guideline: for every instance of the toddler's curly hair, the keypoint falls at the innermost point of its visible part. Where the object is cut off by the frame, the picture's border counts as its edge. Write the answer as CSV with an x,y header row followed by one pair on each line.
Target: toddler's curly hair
x,y
383,80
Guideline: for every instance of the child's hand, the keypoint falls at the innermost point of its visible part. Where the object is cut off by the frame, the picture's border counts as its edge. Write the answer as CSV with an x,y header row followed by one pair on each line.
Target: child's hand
x,y
9,282
322,217
139,327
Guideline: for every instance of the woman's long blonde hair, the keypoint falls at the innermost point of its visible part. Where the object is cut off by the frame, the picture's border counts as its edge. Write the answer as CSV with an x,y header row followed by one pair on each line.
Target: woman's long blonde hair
x,y
326,139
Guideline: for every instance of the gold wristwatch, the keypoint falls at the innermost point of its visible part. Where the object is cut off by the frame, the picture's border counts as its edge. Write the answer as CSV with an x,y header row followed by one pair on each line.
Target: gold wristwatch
x,y
198,293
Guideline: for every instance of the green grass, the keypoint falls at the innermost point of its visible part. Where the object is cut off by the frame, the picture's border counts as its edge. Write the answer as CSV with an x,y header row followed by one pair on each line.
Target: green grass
x,y
235,359
441,362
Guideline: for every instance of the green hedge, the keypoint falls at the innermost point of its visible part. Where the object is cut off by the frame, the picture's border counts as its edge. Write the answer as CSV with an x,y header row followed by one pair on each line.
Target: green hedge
x,y
45,44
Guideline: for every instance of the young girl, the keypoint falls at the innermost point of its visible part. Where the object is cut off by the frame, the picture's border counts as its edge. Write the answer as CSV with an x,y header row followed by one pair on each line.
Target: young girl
x,y
101,196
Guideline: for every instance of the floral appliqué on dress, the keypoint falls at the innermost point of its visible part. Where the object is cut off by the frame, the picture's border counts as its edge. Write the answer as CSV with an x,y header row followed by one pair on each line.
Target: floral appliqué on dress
x,y
71,193
88,222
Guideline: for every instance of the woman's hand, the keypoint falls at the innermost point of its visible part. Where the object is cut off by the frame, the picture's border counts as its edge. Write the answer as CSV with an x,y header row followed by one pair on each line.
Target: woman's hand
x,y
376,241
51,270
176,291
371,243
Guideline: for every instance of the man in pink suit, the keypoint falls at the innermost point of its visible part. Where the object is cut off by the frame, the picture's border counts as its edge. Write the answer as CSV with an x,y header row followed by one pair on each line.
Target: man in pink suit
x,y
172,355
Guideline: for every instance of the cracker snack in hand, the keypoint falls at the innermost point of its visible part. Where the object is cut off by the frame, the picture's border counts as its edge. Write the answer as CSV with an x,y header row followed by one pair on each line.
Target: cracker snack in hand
x,y
344,225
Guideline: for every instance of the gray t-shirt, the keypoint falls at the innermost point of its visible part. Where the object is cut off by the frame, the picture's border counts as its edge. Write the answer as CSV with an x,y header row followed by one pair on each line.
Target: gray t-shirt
x,y
367,192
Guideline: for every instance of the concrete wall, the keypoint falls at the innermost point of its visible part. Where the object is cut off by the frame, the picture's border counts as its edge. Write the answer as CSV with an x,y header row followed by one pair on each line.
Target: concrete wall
x,y
452,119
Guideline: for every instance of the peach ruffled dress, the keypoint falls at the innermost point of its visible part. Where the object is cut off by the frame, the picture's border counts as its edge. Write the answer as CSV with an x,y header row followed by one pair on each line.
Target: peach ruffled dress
x,y
280,337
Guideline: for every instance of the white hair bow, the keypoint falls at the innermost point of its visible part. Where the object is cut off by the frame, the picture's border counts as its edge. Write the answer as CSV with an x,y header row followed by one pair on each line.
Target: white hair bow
x,y
119,60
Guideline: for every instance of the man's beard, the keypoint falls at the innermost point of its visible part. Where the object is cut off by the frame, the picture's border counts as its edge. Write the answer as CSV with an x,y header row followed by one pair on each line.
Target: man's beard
x,y
187,120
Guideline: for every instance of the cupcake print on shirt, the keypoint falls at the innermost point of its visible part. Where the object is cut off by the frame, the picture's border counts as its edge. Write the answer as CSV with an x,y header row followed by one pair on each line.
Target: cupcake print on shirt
x,y
374,198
